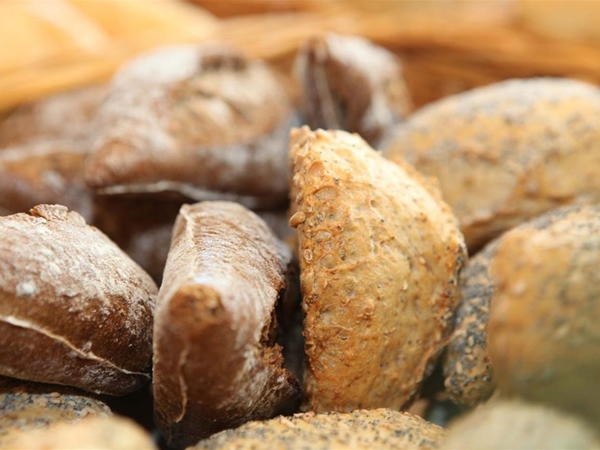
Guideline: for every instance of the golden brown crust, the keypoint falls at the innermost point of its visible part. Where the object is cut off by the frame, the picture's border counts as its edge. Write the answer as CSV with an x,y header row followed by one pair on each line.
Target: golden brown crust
x,y
216,364
543,333
350,84
67,115
515,425
114,433
507,152
28,406
379,258
202,120
49,172
380,428
74,309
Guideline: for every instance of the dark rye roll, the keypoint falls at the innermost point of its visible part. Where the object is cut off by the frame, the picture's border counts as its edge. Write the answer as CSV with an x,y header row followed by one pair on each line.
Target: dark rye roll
x,y
216,363
201,120
74,309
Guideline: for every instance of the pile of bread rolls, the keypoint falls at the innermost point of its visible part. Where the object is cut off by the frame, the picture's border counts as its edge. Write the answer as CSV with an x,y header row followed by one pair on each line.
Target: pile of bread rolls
x,y
292,260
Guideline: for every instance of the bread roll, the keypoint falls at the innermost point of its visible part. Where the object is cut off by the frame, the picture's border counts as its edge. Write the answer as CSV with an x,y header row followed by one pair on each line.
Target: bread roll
x,y
379,428
507,152
201,120
502,425
351,84
379,259
216,363
75,309
543,333
26,406
67,115
48,172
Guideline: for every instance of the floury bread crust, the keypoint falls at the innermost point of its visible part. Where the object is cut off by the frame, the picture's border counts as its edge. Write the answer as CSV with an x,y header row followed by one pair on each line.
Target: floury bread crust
x,y
74,309
201,120
507,152
216,364
379,428
379,259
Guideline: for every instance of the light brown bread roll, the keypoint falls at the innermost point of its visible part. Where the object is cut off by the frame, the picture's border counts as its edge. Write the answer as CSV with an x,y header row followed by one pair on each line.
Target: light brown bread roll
x,y
515,425
48,172
216,363
543,333
507,152
202,120
75,309
114,433
380,428
379,259
26,406
67,115
348,83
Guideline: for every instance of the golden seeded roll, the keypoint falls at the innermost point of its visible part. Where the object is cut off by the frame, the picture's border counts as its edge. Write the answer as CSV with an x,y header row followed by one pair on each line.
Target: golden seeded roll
x,y
507,152
379,258
216,363
67,115
26,406
74,309
544,333
379,428
48,172
114,433
467,367
351,84
515,425
202,120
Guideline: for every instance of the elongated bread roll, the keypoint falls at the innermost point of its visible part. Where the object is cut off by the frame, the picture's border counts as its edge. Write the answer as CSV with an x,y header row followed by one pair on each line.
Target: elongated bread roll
x,y
74,310
216,363
379,259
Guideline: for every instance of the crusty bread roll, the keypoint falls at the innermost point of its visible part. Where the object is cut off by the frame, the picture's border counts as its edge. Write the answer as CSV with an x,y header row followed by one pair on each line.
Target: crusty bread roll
x,y
49,172
114,433
543,332
67,115
348,83
366,430
201,120
507,152
515,425
26,406
379,259
216,363
75,309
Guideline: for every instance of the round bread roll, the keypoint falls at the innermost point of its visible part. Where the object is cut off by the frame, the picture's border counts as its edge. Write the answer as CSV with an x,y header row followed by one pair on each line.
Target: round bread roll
x,y
514,425
348,83
67,115
75,309
26,406
379,259
201,120
543,332
216,362
507,152
114,433
379,428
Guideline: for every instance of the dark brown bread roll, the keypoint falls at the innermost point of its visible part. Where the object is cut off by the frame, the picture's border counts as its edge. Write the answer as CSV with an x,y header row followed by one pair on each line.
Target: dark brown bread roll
x,y
67,115
201,120
379,260
74,310
216,364
348,83
26,406
359,430
49,172
507,152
